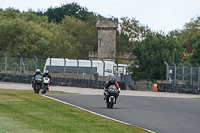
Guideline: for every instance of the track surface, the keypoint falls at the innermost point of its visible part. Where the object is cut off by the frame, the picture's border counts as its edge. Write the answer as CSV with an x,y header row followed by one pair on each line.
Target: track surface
x,y
161,115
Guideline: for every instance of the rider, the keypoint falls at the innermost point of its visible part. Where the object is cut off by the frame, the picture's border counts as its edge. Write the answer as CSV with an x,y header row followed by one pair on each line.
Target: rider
x,y
46,74
108,84
37,72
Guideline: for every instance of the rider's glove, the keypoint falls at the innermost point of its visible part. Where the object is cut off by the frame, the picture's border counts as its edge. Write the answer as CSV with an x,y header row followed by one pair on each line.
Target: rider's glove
x,y
105,89
119,90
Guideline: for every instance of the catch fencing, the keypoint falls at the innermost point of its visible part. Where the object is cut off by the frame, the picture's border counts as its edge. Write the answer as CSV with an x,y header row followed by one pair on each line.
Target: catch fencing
x,y
181,79
21,69
181,74
25,66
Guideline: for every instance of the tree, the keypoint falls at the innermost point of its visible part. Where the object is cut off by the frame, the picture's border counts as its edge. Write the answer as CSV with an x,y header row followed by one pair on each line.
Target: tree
x,y
73,10
187,37
194,57
129,31
24,33
73,39
61,45
133,29
150,54
122,42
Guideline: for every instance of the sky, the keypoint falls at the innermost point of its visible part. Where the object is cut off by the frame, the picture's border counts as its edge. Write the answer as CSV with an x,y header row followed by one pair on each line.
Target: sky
x,y
158,15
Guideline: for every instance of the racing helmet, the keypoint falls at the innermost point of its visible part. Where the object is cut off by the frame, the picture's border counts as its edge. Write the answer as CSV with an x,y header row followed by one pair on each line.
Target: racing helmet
x,y
112,80
37,71
46,72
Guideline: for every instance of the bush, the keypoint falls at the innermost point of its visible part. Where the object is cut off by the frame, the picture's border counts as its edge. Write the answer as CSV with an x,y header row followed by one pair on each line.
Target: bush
x,y
96,76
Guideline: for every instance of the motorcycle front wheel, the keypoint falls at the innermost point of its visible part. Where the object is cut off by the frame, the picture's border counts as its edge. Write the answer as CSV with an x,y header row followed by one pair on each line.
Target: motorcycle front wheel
x,y
108,105
44,89
37,87
112,103
34,88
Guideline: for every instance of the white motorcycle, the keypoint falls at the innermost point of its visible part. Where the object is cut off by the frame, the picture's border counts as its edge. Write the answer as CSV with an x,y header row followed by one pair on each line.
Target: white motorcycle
x,y
45,83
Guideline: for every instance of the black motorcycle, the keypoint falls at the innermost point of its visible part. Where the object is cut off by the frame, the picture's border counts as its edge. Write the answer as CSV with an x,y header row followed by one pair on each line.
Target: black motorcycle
x,y
37,83
111,96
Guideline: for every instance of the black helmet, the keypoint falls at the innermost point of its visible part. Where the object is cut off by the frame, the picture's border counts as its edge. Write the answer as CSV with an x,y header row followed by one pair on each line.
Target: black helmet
x,y
112,80
46,72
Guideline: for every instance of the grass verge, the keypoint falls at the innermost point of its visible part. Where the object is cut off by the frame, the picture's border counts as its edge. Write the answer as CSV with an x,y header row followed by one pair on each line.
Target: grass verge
x,y
22,111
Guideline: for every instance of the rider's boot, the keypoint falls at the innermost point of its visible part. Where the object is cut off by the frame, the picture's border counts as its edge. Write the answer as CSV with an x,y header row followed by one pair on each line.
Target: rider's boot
x,y
104,96
116,99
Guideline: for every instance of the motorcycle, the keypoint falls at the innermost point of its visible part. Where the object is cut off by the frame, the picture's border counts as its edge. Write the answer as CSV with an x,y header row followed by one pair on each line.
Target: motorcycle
x,y
111,96
45,83
37,83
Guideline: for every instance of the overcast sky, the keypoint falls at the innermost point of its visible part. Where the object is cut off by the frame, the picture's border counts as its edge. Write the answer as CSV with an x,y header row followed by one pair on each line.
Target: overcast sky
x,y
159,15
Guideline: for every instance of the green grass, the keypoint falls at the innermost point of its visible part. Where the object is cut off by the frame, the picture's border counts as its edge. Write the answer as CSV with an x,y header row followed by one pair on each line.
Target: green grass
x,y
22,111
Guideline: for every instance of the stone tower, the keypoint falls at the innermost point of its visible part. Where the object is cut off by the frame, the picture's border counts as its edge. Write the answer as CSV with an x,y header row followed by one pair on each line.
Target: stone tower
x,y
107,38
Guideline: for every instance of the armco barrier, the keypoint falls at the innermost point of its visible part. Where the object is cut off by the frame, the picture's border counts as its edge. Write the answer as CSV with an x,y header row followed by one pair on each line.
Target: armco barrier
x,y
20,78
178,88
17,78
122,85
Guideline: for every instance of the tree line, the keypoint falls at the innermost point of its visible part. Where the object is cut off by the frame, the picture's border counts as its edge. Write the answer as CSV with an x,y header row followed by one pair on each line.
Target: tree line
x,y
69,31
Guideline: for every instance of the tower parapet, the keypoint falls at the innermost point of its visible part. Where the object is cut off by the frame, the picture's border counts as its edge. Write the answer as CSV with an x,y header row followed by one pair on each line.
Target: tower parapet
x,y
107,23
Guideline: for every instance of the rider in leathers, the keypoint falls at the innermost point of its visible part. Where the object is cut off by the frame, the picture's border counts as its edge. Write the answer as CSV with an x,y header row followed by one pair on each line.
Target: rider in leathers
x,y
37,72
108,84
46,74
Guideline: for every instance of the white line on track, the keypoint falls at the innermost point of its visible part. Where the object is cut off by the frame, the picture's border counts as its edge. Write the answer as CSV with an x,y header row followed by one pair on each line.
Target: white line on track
x,y
95,112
